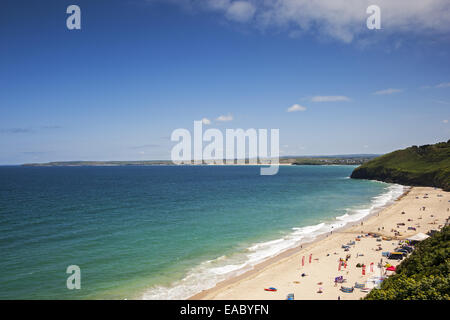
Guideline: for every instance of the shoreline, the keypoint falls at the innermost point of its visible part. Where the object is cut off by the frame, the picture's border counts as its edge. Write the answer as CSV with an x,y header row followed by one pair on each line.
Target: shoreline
x,y
289,252
285,265
254,254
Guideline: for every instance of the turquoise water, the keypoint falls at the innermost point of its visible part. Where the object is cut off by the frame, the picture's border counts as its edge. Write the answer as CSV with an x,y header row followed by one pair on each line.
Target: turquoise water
x,y
162,231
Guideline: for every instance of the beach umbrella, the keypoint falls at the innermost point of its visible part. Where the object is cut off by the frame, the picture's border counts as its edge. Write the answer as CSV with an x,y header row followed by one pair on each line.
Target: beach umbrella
x,y
371,267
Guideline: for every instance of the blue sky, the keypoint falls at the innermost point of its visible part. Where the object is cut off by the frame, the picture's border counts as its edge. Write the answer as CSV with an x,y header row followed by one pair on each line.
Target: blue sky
x,y
137,70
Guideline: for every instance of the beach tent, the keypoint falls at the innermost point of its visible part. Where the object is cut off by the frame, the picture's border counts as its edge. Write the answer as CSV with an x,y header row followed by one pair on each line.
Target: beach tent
x,y
391,268
396,255
418,237
370,284
374,282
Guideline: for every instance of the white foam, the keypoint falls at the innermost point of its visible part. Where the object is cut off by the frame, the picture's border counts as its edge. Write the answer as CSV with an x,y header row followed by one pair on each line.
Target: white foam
x,y
209,273
228,268
265,244
343,217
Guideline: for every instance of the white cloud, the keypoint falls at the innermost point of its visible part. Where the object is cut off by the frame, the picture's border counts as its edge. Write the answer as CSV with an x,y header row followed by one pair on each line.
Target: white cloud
x,y
443,85
387,91
241,11
206,121
218,4
296,107
329,98
440,85
346,19
343,20
441,101
445,121
225,118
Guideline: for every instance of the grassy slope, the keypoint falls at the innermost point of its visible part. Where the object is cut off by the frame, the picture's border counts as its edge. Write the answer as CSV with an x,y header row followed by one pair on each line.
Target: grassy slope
x,y
427,165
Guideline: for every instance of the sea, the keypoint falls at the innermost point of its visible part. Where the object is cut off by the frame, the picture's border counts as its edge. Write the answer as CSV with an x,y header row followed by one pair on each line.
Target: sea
x,y
164,232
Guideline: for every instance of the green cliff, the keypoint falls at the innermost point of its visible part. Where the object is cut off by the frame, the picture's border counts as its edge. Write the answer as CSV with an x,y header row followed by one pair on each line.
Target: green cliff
x,y
427,165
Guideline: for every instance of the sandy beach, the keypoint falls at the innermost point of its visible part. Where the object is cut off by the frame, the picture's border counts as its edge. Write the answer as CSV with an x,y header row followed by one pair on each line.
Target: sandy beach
x,y
422,208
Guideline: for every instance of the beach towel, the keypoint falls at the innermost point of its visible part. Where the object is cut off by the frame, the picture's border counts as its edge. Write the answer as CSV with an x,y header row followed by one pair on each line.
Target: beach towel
x,y
347,289
270,289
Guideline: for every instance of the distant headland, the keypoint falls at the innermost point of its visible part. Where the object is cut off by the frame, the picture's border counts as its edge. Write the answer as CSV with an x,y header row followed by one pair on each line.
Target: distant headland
x,y
353,159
